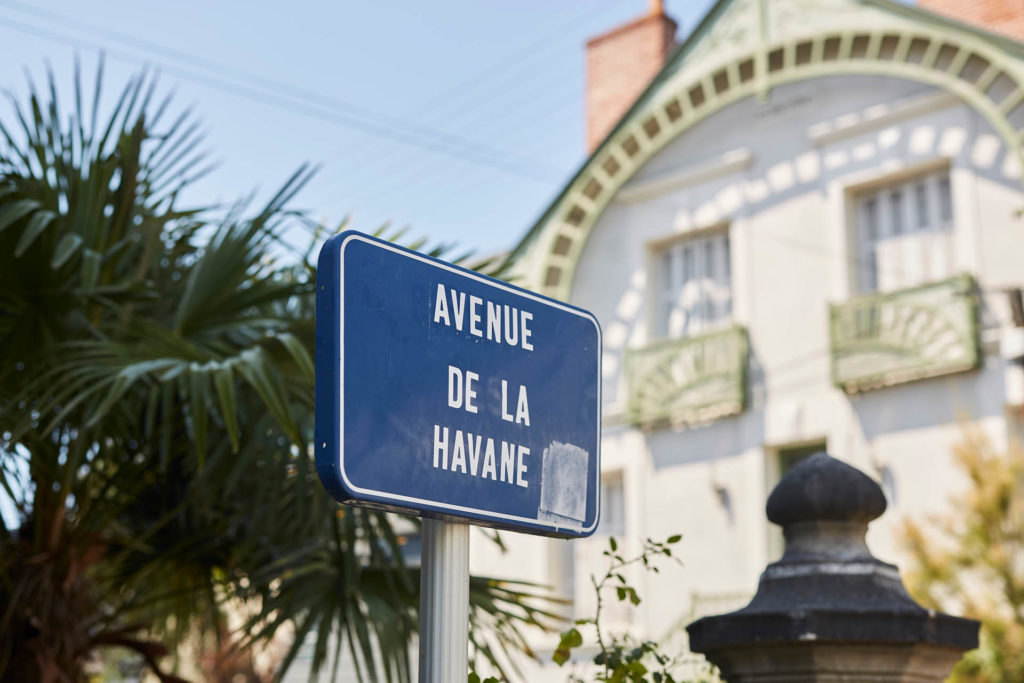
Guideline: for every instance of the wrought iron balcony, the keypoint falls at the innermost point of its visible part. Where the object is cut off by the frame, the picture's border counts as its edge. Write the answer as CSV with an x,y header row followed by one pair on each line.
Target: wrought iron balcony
x,y
884,339
693,379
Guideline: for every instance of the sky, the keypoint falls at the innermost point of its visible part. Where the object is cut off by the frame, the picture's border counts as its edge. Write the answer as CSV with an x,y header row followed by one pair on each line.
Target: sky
x,y
459,119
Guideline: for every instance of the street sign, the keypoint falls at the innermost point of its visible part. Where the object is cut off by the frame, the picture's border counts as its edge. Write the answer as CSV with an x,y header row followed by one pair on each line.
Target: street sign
x,y
448,394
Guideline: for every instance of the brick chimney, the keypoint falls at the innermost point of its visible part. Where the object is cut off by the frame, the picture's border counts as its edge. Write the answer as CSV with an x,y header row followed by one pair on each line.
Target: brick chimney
x,y
620,64
999,16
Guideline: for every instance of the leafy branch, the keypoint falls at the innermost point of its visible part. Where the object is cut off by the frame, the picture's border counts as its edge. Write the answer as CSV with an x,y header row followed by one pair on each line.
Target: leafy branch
x,y
619,657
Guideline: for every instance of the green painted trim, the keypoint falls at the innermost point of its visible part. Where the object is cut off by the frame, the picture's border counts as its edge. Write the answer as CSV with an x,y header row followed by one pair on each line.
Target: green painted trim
x,y
562,232
660,393
918,13
678,55
959,318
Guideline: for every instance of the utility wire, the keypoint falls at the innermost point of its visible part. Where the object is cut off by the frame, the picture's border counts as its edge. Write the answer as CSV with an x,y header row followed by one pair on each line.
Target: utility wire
x,y
471,89
340,112
346,109
452,95
378,172
314,97
469,182
501,157
418,175
324,109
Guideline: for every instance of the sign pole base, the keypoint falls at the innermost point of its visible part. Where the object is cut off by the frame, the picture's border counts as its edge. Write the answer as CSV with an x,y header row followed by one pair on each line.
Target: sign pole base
x,y
444,602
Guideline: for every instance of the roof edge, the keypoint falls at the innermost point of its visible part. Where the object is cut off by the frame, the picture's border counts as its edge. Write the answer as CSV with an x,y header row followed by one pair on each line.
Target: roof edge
x,y
682,50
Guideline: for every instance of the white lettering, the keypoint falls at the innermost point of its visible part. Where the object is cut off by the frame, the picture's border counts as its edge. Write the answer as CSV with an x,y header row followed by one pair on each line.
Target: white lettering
x,y
474,452
458,308
458,452
470,391
466,448
489,465
460,386
474,317
441,447
454,387
441,306
500,323
521,467
505,415
511,326
527,317
508,456
494,322
522,409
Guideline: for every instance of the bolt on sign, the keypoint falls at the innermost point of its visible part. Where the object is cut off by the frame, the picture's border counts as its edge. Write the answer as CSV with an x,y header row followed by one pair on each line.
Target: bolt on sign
x,y
445,393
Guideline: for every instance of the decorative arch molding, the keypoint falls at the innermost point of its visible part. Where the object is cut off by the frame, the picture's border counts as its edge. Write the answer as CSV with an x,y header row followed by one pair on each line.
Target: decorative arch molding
x,y
973,69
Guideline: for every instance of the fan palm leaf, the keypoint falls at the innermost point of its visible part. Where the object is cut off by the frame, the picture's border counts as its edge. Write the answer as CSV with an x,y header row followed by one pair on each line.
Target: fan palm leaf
x,y
155,405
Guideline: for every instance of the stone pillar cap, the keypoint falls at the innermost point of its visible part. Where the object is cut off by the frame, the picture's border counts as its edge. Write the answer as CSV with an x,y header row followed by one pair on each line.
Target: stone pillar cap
x,y
821,488
828,587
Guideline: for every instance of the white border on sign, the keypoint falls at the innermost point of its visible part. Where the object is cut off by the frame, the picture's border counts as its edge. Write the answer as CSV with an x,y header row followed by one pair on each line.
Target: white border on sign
x,y
473,276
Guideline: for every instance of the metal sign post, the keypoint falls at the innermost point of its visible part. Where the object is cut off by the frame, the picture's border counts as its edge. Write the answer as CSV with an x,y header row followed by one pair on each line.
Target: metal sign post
x,y
444,393
444,602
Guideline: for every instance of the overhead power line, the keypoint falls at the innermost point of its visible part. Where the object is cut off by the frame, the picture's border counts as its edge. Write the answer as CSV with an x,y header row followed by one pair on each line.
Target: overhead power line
x,y
469,182
470,98
307,103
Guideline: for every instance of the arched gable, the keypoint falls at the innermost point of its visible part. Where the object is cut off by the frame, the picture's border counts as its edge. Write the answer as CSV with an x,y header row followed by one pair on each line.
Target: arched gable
x,y
719,68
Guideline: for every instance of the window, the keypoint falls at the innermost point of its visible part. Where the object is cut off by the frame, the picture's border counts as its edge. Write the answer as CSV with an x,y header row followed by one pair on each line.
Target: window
x,y
781,460
789,456
613,505
904,233
694,291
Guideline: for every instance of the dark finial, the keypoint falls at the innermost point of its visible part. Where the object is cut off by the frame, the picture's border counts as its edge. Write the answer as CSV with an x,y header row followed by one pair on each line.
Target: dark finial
x,y
821,488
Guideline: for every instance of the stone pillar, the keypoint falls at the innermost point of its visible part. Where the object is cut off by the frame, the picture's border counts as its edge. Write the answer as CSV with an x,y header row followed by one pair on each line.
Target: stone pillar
x,y
829,611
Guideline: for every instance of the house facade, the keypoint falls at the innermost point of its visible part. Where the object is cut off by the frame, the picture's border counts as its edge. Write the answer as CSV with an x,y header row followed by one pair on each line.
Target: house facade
x,y
804,232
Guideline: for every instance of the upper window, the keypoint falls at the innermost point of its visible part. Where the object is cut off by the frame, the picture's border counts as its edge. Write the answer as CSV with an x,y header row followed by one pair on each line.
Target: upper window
x,y
694,285
904,233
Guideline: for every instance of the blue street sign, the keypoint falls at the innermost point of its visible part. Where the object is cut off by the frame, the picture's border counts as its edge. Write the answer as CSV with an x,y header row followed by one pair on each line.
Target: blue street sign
x,y
445,393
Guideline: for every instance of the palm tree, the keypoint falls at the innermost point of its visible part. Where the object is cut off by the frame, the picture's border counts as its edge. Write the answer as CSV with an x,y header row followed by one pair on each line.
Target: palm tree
x,y
156,386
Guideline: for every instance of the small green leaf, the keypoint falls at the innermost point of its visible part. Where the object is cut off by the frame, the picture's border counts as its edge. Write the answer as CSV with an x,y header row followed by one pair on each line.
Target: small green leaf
x,y
117,388
298,353
66,248
674,539
15,211
612,543
35,226
636,668
224,381
570,639
90,268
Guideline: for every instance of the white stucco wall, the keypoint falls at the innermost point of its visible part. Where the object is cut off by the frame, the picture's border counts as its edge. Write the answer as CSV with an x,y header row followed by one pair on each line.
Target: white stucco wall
x,y
789,224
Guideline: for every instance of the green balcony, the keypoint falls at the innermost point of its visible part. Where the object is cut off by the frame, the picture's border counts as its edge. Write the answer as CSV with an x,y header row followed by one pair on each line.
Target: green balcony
x,y
884,339
682,381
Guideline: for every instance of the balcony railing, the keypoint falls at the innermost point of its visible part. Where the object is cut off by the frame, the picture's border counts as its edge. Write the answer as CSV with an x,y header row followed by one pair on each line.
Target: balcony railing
x,y
884,339
694,379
